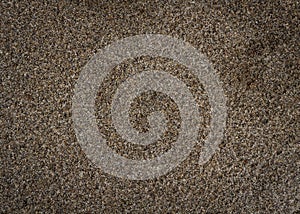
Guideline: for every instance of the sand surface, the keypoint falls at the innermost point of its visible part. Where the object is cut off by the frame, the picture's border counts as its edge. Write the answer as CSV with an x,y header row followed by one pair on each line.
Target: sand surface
x,y
253,47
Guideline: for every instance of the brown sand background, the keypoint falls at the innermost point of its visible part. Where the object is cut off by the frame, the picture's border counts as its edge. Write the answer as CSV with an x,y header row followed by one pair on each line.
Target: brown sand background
x,y
254,47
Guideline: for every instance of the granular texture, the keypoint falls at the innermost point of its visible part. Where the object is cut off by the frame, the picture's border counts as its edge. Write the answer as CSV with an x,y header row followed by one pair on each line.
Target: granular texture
x,y
254,48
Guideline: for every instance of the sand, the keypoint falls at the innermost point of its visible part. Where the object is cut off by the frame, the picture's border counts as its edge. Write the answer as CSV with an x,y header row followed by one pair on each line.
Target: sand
x,y
254,48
